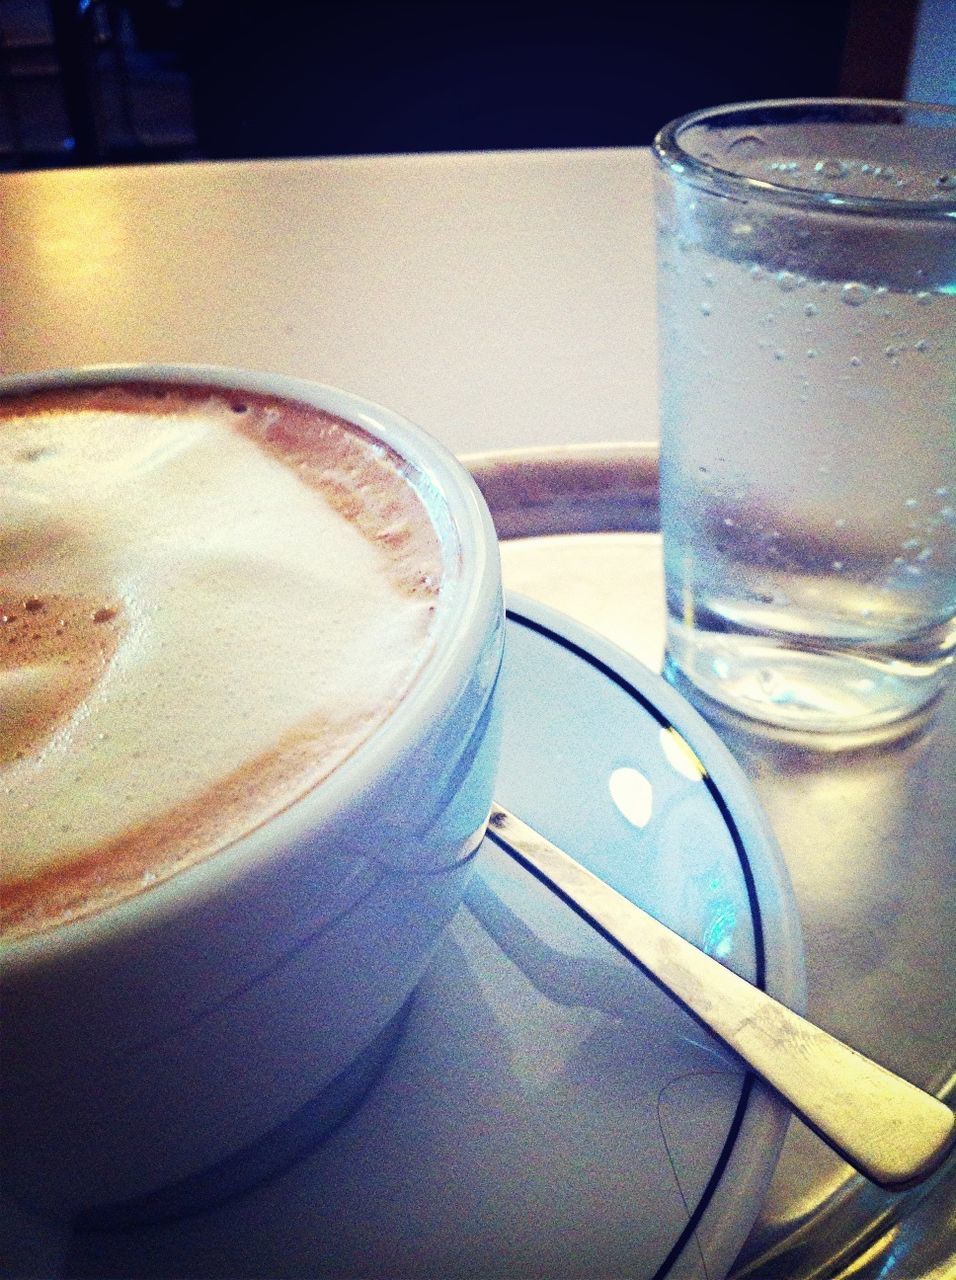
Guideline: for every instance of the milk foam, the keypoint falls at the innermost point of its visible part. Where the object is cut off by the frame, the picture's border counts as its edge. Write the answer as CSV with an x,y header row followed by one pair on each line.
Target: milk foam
x,y
247,617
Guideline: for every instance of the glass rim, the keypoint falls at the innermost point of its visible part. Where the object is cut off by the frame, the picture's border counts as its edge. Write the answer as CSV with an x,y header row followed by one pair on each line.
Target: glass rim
x,y
684,167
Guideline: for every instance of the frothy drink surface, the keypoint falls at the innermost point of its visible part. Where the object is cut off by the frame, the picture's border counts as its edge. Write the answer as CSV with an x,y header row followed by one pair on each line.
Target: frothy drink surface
x,y
208,599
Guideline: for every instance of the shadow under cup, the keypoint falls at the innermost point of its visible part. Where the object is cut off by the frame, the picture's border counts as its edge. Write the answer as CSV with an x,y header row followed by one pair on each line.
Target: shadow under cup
x,y
176,1047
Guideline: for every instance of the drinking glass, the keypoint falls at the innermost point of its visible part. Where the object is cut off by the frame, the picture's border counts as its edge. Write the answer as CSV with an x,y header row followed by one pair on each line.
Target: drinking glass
x,y
807,308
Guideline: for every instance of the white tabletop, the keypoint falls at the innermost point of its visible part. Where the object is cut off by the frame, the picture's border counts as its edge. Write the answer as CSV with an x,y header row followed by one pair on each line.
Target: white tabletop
x,y
499,300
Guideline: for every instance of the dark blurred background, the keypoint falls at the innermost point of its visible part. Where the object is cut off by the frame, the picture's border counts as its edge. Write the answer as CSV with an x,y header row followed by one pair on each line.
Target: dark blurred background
x,y
101,81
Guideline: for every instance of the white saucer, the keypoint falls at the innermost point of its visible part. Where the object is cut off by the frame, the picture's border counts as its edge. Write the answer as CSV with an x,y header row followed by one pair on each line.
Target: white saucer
x,y
548,1112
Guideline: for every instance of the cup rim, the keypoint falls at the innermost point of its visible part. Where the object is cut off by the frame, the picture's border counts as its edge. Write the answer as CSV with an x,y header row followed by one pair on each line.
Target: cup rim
x,y
459,636
671,156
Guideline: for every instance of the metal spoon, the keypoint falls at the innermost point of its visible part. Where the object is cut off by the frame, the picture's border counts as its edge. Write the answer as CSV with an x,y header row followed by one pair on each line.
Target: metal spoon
x,y
886,1128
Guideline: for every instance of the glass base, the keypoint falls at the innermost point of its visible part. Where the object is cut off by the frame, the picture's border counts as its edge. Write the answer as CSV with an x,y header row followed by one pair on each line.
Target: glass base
x,y
831,699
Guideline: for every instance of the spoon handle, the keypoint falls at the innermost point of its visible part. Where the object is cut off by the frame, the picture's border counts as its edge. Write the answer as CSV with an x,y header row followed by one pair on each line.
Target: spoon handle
x,y
886,1128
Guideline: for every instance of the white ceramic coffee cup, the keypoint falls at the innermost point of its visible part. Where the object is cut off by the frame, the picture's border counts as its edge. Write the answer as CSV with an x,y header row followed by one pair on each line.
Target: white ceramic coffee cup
x,y
167,1035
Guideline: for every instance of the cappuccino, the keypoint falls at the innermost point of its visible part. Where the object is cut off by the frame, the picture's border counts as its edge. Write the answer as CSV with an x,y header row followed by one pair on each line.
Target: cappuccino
x,y
208,600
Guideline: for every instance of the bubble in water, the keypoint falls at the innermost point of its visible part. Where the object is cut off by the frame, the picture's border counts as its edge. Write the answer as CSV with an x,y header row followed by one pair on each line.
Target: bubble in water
x,y
748,144
911,502
854,295
891,352
708,279
921,345
812,353
787,281
925,554
855,361
886,172
779,354
741,229
923,298
810,309
946,181
731,524
840,522
705,308
831,168
942,491
837,565
756,272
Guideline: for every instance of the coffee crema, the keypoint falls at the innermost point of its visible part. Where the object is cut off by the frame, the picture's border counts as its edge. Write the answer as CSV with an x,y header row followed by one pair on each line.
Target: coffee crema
x,y
208,600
